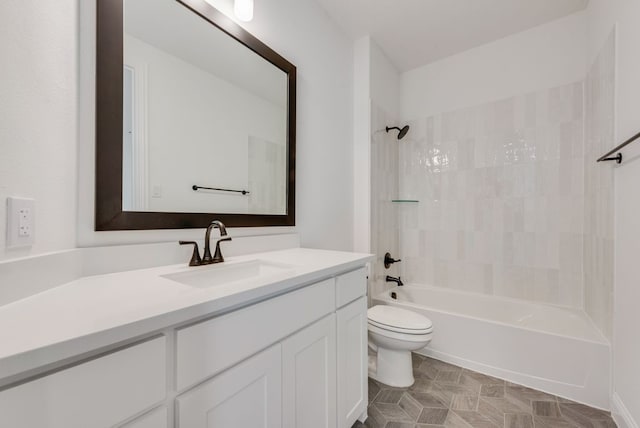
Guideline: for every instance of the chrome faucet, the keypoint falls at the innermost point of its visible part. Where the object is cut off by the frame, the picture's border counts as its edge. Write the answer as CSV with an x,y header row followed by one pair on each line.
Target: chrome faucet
x,y
394,279
217,256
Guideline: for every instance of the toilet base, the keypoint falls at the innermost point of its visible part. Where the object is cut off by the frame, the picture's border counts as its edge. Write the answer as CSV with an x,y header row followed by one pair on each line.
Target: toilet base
x,y
392,368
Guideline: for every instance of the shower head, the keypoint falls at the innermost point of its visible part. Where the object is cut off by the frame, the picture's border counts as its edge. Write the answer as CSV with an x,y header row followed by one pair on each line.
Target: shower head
x,y
402,132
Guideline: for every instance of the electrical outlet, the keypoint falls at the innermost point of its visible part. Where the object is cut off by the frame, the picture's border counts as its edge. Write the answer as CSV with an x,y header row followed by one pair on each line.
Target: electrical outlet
x,y
20,222
24,222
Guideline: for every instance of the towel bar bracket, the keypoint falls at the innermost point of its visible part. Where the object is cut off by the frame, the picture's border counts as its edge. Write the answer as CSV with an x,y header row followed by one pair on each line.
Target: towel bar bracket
x,y
617,158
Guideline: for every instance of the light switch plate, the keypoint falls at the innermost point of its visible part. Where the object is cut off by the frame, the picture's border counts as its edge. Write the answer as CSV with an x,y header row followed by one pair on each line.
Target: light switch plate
x,y
21,214
157,192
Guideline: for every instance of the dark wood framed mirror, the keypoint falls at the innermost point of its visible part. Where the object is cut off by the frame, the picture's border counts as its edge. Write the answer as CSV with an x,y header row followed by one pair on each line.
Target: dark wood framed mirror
x,y
138,203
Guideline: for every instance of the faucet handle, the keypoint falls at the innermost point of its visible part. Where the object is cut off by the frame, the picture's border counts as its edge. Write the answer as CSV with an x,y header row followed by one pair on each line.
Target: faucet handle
x,y
388,260
217,256
195,257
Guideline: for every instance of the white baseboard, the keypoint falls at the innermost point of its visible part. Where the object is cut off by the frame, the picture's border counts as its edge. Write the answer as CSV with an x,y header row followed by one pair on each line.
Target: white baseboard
x,y
620,414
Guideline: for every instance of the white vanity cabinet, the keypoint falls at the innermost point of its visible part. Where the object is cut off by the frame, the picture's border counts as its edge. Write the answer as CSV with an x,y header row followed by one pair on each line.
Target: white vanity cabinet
x,y
352,367
290,385
309,376
296,359
247,395
320,337
209,347
99,393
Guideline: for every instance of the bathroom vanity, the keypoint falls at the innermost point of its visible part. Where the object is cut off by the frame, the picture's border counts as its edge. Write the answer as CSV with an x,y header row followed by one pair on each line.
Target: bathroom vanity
x,y
277,339
274,339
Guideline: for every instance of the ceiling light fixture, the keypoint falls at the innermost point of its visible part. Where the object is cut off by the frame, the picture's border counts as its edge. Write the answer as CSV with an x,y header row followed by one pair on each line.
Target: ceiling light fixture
x,y
243,10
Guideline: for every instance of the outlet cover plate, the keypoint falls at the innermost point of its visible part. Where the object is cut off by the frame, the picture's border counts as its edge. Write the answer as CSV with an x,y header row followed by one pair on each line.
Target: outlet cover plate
x,y
21,215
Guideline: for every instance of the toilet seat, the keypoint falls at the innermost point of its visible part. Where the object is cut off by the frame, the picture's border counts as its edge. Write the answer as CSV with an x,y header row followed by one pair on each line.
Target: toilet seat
x,y
406,338
398,320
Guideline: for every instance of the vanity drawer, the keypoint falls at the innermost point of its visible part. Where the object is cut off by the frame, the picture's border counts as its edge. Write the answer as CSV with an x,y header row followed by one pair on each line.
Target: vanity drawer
x,y
350,286
98,393
211,346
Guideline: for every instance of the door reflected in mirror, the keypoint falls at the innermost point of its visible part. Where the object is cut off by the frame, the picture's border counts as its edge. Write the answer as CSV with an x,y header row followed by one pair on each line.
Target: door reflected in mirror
x,y
200,111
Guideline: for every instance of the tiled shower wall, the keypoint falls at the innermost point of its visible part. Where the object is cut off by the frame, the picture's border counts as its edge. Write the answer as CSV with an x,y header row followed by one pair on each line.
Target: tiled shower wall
x,y
501,191
384,188
599,138
511,200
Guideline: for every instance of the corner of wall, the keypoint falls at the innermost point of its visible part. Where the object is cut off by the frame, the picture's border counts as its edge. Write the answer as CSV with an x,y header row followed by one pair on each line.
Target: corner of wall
x,y
621,414
361,145
385,81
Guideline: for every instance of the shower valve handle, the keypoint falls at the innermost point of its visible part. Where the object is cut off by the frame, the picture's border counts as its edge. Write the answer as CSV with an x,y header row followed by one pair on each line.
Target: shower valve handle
x,y
388,260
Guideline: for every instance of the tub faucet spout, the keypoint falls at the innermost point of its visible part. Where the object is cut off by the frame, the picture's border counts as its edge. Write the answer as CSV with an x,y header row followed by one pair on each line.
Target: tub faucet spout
x,y
394,279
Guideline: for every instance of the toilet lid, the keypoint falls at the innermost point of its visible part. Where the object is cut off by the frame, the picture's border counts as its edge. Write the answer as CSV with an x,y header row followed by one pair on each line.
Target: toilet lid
x,y
399,320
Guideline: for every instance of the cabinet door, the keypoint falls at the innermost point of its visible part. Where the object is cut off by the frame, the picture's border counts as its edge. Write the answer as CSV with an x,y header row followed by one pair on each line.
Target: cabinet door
x,y
352,362
246,395
309,376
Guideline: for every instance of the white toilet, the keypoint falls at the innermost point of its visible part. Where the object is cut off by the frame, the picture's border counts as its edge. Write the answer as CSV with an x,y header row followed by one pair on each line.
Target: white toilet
x,y
393,334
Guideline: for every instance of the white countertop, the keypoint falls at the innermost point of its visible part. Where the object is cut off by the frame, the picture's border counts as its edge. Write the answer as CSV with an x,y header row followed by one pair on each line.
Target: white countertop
x,y
98,311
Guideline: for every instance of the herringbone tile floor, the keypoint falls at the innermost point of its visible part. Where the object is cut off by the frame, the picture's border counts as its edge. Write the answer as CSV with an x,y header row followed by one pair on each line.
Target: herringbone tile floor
x,y
445,395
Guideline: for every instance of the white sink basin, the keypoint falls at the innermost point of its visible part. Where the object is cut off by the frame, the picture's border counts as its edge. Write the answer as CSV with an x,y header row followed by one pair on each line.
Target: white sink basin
x,y
221,274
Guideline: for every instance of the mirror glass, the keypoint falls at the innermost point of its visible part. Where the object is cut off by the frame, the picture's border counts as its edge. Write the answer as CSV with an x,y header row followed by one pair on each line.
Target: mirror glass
x,y
199,109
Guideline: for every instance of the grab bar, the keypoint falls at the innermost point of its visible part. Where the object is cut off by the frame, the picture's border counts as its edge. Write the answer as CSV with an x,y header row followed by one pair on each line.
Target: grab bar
x,y
196,188
618,158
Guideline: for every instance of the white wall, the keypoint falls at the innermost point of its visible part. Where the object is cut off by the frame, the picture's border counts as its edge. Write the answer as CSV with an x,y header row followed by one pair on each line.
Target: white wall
x,y
385,81
385,214
38,118
47,111
544,57
301,32
603,15
599,138
384,111
362,145
376,87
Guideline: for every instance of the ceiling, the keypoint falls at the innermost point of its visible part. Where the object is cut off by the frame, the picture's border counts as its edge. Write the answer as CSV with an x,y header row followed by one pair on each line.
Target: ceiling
x,y
416,32
181,33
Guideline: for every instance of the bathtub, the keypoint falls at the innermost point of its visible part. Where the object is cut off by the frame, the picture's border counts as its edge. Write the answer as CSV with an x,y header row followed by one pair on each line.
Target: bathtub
x,y
553,349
